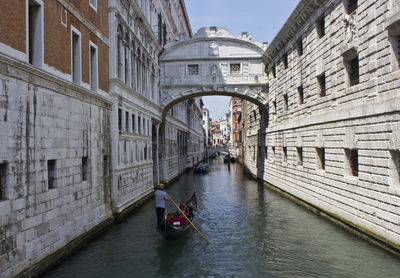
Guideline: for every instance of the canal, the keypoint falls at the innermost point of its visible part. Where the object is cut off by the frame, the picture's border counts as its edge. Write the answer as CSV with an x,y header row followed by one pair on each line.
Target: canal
x,y
254,232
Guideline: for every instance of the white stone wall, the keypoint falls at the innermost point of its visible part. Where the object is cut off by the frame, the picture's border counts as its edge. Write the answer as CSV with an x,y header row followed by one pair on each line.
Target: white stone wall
x,y
363,117
45,118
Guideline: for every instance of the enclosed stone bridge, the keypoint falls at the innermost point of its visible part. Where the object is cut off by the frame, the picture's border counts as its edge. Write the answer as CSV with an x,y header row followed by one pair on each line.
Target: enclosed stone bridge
x,y
213,62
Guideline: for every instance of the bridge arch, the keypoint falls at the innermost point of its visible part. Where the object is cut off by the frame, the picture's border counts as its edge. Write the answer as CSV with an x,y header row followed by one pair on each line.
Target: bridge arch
x,y
213,62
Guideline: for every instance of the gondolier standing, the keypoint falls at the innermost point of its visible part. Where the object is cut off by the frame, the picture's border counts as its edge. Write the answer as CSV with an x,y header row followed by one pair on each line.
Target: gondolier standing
x,y
161,197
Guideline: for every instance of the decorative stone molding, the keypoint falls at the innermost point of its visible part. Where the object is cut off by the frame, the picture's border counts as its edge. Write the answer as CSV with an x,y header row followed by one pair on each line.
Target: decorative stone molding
x,y
350,28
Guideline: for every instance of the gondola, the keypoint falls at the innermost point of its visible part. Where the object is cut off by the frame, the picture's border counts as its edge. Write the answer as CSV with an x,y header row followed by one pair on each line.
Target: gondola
x,y
174,225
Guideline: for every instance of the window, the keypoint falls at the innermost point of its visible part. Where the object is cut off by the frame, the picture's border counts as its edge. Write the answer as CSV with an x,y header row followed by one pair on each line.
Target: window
x,y
133,69
133,123
193,69
351,6
274,71
35,33
119,119
275,107
300,46
352,69
285,60
3,180
273,153
76,56
322,84
254,153
299,156
286,101
119,50
84,168
127,121
234,68
266,152
93,4
106,166
284,152
395,167
352,161
159,28
93,67
126,59
139,125
51,174
145,151
320,26
300,92
320,158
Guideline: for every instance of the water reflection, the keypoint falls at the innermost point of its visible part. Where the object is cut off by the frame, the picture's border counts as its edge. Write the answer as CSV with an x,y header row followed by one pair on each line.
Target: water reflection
x,y
254,232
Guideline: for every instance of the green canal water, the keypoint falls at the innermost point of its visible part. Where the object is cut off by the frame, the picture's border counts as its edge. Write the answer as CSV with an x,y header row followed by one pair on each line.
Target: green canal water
x,y
254,232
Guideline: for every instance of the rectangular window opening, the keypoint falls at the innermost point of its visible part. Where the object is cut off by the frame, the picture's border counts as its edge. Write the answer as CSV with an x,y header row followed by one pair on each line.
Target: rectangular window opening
x,y
352,68
106,166
300,46
234,68
300,91
286,101
352,161
266,152
3,180
320,26
193,69
299,156
119,119
321,158
126,121
76,57
285,60
93,68
35,33
284,151
84,168
51,174
351,6
322,85
133,122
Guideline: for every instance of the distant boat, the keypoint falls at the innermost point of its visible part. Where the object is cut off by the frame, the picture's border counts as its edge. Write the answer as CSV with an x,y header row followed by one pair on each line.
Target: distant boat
x,y
174,225
202,168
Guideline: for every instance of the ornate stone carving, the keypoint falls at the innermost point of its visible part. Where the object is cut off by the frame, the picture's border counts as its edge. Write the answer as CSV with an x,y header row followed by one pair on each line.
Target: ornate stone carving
x,y
213,49
350,28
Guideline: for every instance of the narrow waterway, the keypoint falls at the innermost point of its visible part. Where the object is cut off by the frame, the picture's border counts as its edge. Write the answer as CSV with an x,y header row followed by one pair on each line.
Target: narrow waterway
x,y
254,232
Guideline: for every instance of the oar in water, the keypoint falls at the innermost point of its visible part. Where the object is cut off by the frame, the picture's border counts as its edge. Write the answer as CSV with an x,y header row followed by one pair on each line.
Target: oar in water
x,y
191,223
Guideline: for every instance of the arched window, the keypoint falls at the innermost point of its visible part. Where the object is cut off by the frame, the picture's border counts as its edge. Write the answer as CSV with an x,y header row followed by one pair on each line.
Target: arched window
x,y
126,54
133,67
119,49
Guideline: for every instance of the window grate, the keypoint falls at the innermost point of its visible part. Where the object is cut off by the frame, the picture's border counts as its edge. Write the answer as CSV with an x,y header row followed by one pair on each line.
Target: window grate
x,y
193,69
234,68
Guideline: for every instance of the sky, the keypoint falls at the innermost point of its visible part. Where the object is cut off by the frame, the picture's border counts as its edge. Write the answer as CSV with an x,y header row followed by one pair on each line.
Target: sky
x,y
261,18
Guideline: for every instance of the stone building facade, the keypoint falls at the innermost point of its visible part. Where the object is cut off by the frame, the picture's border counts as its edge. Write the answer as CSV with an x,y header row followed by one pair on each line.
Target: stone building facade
x,y
55,127
333,127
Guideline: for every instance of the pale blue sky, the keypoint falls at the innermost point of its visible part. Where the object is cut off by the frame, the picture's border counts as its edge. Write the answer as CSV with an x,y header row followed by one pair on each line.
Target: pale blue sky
x,y
261,18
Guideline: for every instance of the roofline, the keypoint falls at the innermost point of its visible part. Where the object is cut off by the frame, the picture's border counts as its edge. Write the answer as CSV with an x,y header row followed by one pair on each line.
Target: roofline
x,y
185,14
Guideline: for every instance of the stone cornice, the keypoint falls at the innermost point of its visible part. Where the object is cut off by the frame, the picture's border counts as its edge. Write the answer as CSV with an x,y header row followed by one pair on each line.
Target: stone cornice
x,y
297,20
32,75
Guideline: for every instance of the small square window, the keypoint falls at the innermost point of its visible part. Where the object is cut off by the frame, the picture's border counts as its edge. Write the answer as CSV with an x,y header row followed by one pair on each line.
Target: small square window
x,y
193,69
234,68
299,156
320,26
320,158
322,85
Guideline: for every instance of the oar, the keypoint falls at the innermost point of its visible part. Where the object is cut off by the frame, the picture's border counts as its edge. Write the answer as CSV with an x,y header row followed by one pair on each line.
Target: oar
x,y
191,223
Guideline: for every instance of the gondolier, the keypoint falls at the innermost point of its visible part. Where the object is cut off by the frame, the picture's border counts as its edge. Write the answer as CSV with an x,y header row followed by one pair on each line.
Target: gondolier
x,y
161,197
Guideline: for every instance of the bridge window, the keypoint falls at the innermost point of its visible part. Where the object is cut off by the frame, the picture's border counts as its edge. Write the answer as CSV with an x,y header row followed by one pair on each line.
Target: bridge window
x,y
322,84
299,156
3,180
193,69
234,68
300,91
352,161
320,158
320,26
351,6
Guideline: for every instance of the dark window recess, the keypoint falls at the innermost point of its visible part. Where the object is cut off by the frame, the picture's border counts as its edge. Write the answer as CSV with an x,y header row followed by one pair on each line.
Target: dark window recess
x,y
353,71
285,60
106,166
266,152
51,173
397,40
120,119
320,25
84,168
126,121
321,158
159,28
300,91
351,6
145,152
284,151
275,108
322,85
133,122
352,157
274,71
273,152
299,156
164,32
286,101
139,125
300,46
3,180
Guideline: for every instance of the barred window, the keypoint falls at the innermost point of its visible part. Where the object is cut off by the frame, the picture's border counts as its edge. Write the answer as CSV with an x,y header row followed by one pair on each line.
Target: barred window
x,y
193,69
234,68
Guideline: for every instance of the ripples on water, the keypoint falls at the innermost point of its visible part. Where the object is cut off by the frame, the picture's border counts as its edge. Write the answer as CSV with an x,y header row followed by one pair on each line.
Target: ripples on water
x,y
254,232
